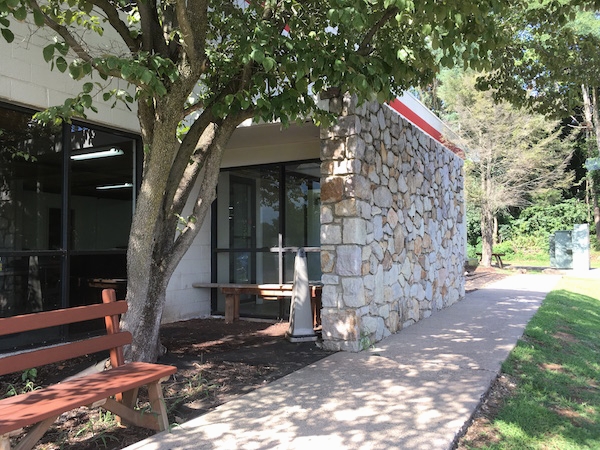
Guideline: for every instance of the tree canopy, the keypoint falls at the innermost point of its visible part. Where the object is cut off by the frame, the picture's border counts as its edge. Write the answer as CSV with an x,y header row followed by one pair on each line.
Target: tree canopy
x,y
511,153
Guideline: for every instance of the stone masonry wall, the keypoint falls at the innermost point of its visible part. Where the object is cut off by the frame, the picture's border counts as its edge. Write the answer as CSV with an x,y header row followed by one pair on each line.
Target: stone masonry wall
x,y
392,241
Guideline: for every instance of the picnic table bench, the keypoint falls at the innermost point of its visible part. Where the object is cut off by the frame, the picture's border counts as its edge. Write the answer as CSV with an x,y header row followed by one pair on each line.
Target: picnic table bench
x,y
115,389
498,257
233,291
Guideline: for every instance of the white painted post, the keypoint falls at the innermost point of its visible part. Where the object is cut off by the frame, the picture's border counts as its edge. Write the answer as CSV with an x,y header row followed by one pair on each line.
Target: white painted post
x,y
301,320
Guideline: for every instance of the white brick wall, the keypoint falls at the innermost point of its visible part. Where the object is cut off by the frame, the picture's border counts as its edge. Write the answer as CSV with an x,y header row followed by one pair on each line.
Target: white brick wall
x,y
26,79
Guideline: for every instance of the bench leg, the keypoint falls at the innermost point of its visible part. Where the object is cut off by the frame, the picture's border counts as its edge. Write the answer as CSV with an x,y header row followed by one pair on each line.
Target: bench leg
x,y
4,442
157,403
156,420
500,262
35,434
232,307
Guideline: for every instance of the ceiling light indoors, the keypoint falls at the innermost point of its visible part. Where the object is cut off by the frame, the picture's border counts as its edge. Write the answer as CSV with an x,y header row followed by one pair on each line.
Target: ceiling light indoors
x,y
114,186
80,155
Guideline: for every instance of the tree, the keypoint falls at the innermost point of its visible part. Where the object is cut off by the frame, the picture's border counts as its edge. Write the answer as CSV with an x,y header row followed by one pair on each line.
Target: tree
x,y
511,153
552,66
198,68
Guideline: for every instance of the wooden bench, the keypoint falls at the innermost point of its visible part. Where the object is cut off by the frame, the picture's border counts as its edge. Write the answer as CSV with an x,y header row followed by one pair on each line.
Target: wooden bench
x,y
233,291
498,257
115,389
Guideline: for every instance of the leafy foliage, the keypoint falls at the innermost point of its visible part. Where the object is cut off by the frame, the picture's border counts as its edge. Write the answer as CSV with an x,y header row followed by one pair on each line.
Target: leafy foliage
x,y
531,69
546,219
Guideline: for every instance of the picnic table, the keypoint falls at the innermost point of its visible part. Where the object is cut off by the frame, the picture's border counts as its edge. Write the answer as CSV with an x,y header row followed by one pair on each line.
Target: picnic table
x,y
233,291
498,257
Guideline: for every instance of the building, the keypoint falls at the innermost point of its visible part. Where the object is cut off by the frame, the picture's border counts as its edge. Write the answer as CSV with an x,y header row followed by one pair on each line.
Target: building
x,y
376,200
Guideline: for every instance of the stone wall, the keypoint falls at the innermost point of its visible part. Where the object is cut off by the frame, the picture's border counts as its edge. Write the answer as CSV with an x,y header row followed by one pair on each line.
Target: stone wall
x,y
392,222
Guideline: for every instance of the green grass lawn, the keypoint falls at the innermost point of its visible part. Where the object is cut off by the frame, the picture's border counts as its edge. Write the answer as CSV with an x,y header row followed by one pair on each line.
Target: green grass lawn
x,y
556,370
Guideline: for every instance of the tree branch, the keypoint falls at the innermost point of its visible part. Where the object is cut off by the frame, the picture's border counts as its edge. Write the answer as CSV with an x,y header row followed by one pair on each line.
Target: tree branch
x,y
64,33
72,42
365,46
193,24
152,33
119,26
207,192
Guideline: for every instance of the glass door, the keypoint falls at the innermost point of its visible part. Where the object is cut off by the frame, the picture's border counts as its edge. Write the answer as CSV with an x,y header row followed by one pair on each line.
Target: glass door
x,y
242,231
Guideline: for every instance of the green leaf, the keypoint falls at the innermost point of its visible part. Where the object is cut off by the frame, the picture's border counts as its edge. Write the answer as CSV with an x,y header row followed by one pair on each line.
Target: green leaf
x,y
257,55
106,96
87,7
12,4
61,64
62,47
86,100
146,77
126,71
48,52
112,63
75,71
302,85
87,87
38,17
268,63
7,35
20,13
229,99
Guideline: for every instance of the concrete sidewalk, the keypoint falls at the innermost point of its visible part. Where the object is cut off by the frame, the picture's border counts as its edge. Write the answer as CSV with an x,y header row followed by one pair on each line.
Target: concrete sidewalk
x,y
415,390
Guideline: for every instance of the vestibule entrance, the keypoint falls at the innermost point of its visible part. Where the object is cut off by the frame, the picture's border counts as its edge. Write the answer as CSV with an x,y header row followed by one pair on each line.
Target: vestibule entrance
x,y
262,215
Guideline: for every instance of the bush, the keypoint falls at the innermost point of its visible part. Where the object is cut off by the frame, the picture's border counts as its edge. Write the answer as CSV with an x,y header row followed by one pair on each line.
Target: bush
x,y
505,247
546,219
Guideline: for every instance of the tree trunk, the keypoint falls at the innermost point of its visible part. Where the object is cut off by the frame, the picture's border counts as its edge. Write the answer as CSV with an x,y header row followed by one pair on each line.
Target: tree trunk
x,y
487,236
156,245
487,214
592,118
146,274
495,232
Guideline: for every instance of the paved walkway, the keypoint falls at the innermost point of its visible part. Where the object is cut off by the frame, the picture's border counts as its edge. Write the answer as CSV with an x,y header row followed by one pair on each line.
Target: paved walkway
x,y
415,390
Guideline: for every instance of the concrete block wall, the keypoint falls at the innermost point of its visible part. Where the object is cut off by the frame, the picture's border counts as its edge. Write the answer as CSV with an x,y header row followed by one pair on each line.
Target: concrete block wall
x,y
392,241
26,79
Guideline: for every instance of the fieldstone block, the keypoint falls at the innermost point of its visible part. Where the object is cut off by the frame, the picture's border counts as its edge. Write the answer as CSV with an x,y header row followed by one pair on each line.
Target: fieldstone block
x,y
382,197
354,231
358,186
353,292
333,149
331,234
349,260
346,126
330,297
332,189
327,261
347,208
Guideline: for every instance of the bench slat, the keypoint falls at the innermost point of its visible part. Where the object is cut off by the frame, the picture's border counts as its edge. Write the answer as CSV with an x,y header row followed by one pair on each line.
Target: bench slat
x,y
46,319
27,409
37,358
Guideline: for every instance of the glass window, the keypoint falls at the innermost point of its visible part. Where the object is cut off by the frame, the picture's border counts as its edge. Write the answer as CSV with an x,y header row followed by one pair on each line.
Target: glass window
x,y
31,169
263,215
66,203
101,189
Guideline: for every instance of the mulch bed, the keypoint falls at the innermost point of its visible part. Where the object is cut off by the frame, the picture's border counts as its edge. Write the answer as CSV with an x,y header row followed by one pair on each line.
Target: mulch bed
x,y
216,363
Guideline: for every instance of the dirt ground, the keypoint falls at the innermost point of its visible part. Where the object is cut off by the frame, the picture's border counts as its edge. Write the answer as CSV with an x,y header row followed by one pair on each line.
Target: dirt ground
x,y
216,363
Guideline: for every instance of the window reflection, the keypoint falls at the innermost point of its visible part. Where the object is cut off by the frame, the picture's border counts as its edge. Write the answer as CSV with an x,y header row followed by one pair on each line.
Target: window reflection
x,y
64,218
